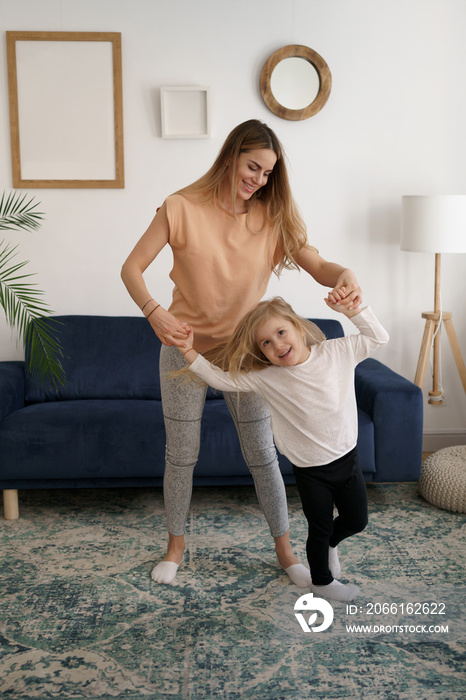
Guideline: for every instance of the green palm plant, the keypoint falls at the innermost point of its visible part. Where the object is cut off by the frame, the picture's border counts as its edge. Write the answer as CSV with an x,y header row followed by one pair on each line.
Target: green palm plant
x,y
21,300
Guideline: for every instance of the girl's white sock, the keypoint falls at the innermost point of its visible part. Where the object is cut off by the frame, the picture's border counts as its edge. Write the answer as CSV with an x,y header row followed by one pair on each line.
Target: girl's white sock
x,y
336,591
334,562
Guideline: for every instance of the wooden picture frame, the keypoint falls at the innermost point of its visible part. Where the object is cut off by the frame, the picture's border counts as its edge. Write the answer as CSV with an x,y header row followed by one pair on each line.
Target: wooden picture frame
x,y
66,109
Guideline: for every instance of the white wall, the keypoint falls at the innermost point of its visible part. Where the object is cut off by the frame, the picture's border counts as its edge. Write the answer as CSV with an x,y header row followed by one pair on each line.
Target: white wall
x,y
393,125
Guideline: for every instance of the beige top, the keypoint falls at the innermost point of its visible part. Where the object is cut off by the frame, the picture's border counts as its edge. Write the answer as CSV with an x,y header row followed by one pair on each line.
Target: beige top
x,y
220,268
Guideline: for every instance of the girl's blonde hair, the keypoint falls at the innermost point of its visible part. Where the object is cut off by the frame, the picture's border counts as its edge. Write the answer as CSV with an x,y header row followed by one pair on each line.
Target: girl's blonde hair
x,y
280,207
241,352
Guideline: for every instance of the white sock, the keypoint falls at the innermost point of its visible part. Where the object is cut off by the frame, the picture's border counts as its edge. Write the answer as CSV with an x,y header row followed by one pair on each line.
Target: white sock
x,y
334,562
299,574
165,571
336,591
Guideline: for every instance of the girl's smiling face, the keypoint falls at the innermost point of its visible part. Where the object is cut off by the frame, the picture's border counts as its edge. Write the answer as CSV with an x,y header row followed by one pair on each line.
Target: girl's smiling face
x,y
281,342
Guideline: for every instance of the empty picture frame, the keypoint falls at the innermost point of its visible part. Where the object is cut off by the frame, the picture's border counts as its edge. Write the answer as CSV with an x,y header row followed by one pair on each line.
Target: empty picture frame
x,y
66,109
184,112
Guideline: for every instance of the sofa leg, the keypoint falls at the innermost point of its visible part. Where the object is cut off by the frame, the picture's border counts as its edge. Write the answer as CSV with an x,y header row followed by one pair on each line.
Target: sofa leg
x,y
10,504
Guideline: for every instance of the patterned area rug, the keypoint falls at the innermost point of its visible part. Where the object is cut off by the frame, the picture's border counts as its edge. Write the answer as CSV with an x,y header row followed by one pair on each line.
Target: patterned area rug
x,y
81,618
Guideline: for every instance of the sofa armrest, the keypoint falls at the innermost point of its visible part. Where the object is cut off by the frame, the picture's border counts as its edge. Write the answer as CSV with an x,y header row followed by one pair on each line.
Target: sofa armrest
x,y
12,387
396,407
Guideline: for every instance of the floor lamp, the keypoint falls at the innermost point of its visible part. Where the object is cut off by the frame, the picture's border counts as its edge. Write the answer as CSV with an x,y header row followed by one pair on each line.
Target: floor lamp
x,y
435,224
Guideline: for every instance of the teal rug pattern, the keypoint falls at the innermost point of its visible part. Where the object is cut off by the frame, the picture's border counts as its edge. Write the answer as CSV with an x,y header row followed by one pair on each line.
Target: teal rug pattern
x,y
80,616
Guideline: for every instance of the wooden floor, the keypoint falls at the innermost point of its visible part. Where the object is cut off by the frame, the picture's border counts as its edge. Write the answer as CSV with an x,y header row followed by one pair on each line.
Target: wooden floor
x,y
425,455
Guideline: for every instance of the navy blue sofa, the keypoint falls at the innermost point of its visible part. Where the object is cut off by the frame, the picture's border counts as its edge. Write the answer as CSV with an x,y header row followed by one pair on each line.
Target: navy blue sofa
x,y
104,428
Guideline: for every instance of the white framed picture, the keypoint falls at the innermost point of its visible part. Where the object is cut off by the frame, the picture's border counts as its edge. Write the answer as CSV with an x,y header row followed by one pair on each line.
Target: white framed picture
x,y
185,112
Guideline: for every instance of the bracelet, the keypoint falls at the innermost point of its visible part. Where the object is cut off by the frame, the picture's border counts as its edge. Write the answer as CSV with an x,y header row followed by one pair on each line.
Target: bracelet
x,y
154,309
146,304
188,350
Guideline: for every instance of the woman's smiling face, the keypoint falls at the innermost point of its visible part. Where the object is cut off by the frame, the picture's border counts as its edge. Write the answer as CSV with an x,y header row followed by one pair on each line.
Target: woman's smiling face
x,y
252,173
281,342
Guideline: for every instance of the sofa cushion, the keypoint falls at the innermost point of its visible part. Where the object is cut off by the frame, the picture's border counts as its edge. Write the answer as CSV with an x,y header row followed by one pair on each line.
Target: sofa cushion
x,y
83,439
88,439
105,357
101,439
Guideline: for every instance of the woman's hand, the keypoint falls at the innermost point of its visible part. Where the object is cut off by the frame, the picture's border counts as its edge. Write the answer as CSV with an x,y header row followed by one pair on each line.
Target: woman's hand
x,y
347,291
167,328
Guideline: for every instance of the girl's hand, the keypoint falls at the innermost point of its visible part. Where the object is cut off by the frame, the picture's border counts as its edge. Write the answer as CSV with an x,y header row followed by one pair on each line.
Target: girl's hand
x,y
348,312
346,292
167,328
188,344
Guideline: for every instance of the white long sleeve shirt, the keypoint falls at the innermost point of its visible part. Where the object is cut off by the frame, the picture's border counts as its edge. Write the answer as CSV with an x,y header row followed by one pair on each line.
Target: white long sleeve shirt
x,y
313,404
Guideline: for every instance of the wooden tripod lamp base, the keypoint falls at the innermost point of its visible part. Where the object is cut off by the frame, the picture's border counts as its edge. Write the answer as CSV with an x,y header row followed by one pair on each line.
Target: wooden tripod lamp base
x,y
434,320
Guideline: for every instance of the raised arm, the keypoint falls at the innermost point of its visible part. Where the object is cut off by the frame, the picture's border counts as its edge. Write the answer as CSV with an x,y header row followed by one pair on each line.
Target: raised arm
x,y
209,373
345,287
168,329
372,334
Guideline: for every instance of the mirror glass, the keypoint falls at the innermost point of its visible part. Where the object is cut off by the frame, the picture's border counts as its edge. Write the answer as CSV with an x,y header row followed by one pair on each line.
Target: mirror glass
x,y
295,83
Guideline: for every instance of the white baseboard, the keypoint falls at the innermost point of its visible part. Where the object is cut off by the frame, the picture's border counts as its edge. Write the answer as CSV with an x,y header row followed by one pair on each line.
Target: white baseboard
x,y
447,438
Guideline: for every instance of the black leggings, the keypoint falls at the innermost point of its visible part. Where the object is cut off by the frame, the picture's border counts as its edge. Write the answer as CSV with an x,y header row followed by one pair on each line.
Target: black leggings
x,y
340,483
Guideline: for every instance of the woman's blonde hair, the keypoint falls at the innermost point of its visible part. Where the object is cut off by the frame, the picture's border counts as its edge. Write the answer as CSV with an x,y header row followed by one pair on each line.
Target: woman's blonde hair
x,y
241,352
280,208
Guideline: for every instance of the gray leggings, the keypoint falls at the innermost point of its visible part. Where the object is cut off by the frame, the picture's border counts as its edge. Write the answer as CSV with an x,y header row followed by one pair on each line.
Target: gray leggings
x,y
183,403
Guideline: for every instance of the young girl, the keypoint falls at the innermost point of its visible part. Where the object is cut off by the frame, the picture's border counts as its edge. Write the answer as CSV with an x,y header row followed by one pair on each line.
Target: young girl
x,y
308,386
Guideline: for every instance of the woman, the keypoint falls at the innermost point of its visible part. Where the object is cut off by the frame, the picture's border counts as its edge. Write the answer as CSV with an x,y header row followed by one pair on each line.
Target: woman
x,y
228,231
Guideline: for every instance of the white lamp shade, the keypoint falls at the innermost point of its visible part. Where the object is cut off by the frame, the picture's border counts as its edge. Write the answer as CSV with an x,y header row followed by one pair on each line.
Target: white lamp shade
x,y
433,224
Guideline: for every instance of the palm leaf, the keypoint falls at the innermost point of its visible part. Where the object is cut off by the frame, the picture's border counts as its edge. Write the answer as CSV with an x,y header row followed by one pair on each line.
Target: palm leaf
x,y
17,212
44,351
25,310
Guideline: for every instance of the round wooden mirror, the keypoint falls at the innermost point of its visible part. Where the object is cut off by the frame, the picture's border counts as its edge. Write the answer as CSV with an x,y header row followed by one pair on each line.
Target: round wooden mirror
x,y
295,82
